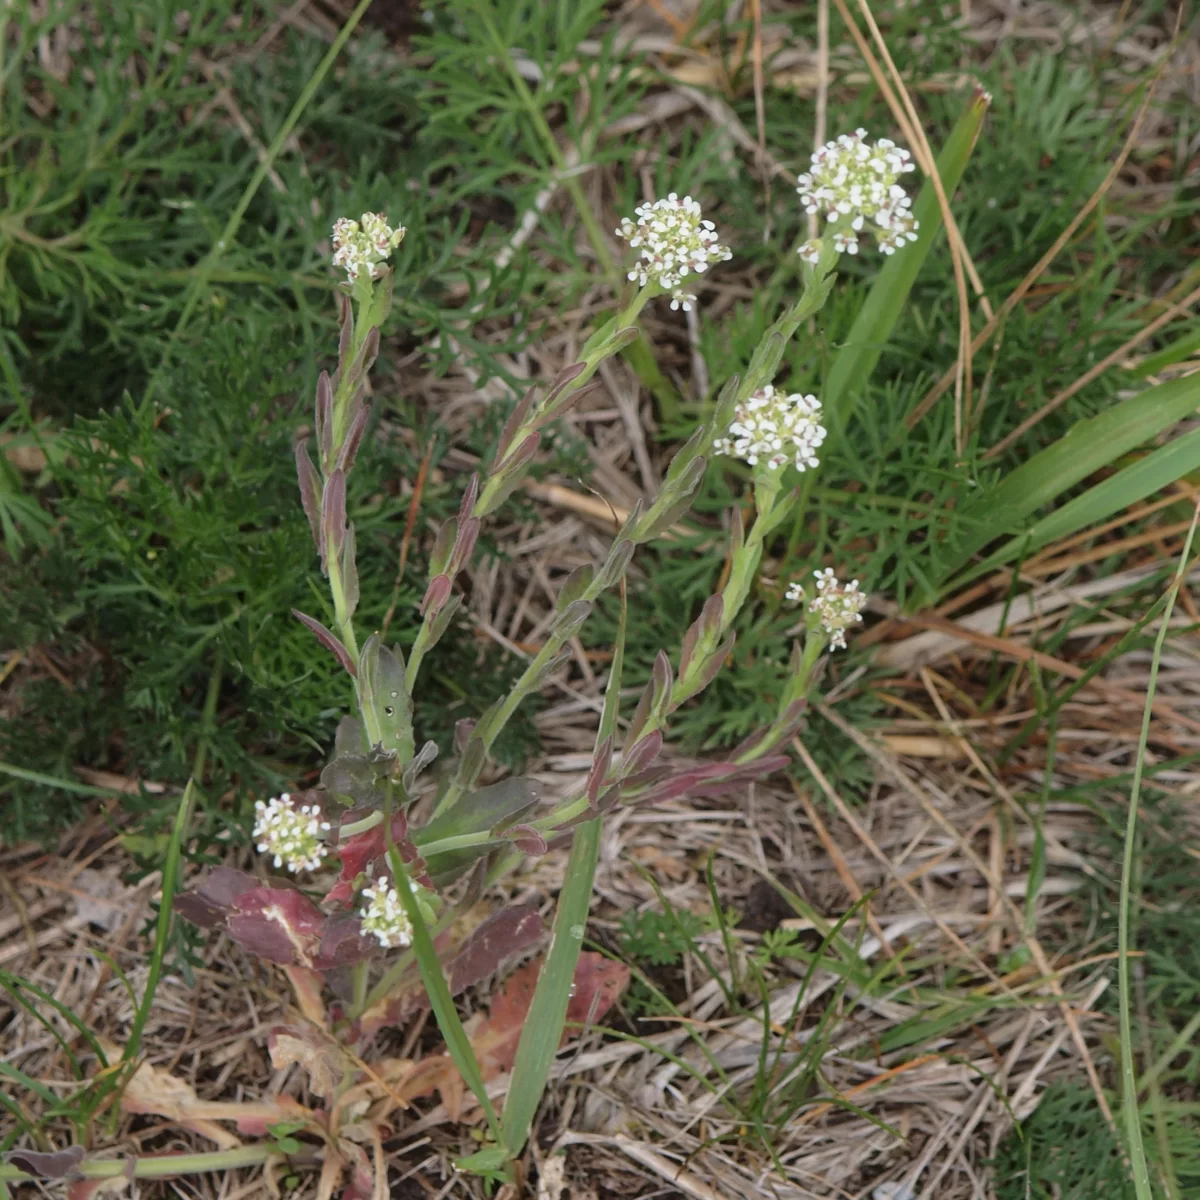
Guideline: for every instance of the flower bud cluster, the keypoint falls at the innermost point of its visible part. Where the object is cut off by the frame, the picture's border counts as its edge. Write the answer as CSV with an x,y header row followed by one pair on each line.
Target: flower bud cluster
x,y
776,429
675,242
854,183
384,917
364,245
835,607
291,833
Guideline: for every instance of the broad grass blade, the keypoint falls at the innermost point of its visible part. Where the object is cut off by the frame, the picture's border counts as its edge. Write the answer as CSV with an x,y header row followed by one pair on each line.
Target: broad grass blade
x,y
854,362
544,1025
1151,474
1090,445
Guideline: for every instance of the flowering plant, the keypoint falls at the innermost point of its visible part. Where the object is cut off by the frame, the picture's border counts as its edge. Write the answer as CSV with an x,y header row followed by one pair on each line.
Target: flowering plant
x,y
391,887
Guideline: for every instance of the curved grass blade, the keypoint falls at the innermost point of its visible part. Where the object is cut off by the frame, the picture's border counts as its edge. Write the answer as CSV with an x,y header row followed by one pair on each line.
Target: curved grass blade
x,y
1087,447
1150,474
856,359
14,985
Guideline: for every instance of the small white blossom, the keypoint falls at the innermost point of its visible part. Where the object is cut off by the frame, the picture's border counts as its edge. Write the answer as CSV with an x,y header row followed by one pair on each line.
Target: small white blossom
x,y
291,833
682,299
775,428
384,917
811,251
835,606
675,242
364,245
852,183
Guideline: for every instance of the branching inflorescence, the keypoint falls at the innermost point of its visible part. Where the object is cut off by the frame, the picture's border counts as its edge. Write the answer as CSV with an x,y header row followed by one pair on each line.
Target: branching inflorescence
x,y
389,898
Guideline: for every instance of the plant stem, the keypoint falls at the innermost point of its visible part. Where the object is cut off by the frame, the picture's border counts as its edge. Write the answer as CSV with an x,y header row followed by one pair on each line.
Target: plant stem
x,y
162,1167
1129,1089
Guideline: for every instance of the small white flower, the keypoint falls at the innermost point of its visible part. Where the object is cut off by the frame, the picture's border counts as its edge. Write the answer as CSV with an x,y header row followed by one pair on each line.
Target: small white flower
x,y
364,245
675,242
835,607
775,428
853,183
811,251
384,916
291,833
682,299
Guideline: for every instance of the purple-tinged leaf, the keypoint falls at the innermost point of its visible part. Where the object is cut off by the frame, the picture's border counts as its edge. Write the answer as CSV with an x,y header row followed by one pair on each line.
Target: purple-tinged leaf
x,y
674,507
782,728
662,679
641,714
279,924
466,506
54,1164
520,457
737,532
488,809
436,594
333,518
601,761
559,400
503,934
526,839
574,586
571,620
343,944
328,640
705,780
468,532
515,419
443,547
354,436
641,755
210,901
462,733
426,755
616,564
365,848
562,381
350,571
704,631
324,418
310,489
441,622
686,455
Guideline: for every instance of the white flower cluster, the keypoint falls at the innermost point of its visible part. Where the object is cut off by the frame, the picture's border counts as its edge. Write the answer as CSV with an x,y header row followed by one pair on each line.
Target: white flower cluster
x,y
384,917
852,183
364,245
675,242
290,832
835,606
775,428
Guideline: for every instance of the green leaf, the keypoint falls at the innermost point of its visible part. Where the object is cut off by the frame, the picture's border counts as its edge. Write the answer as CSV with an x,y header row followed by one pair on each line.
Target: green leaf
x,y
1087,447
1145,477
854,362
543,1027
383,691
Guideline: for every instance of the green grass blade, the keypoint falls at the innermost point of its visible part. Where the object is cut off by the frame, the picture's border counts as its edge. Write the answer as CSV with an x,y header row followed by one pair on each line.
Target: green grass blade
x,y
548,1012
162,933
437,989
1150,474
1129,1088
1090,445
16,987
1170,355
854,362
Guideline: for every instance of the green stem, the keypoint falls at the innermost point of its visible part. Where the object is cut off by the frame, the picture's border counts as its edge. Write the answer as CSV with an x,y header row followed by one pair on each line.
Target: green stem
x,y
164,1167
207,718
1129,1089
341,613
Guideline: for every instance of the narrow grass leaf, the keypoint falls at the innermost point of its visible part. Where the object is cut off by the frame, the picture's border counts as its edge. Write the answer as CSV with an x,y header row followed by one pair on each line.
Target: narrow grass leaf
x,y
854,362
17,987
548,1011
1090,445
1150,474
